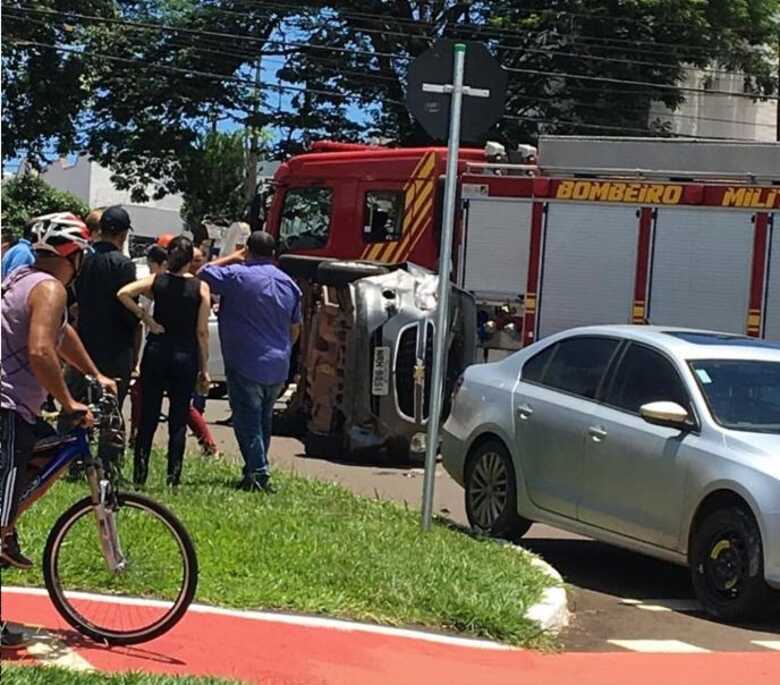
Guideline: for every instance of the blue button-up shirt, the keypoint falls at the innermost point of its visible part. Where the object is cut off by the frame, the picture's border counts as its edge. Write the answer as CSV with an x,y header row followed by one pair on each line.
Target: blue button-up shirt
x,y
259,303
20,254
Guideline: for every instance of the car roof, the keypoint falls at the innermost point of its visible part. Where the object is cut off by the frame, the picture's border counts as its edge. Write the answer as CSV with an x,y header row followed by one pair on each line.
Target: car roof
x,y
689,343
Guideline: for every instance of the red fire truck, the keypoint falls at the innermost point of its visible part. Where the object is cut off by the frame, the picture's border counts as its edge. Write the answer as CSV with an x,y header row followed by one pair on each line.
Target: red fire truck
x,y
595,231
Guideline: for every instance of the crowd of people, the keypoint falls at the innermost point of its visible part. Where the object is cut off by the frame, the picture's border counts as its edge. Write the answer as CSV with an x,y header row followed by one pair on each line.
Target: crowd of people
x,y
72,306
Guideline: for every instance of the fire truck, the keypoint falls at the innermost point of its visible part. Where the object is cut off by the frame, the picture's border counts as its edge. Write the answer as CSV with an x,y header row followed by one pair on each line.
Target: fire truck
x,y
589,230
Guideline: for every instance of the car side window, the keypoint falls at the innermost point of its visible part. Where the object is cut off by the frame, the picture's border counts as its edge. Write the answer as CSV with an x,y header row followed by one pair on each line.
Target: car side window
x,y
383,214
305,219
645,376
579,365
534,368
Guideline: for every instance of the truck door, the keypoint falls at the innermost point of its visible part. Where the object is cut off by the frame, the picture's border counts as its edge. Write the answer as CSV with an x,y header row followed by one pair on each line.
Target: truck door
x,y
588,266
773,283
701,264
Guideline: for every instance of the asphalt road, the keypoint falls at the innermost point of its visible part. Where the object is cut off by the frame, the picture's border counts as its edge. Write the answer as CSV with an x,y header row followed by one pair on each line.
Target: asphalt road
x,y
614,595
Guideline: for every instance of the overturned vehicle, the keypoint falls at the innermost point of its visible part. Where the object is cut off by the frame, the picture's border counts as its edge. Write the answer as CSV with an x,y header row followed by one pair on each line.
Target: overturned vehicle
x,y
361,374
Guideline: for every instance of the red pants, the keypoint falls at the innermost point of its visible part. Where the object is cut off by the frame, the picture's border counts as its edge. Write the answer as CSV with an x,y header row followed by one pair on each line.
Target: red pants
x,y
195,420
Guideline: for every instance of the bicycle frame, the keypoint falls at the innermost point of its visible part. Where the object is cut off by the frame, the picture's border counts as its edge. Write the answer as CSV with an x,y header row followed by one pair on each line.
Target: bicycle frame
x,y
102,493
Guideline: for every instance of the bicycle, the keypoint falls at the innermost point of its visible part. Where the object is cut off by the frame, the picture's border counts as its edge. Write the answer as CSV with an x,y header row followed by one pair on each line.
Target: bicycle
x,y
141,544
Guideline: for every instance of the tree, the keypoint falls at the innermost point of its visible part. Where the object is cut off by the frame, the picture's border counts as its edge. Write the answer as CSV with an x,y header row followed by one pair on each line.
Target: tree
x,y
571,62
27,195
213,177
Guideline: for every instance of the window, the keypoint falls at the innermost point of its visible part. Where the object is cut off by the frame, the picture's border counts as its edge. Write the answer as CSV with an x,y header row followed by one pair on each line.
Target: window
x,y
742,394
305,221
534,368
579,364
645,376
383,215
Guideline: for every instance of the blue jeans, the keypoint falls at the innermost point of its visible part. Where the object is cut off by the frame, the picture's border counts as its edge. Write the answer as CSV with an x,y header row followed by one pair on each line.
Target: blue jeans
x,y
253,409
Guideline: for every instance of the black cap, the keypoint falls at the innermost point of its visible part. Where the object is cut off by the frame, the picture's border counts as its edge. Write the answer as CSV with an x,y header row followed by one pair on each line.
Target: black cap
x,y
115,220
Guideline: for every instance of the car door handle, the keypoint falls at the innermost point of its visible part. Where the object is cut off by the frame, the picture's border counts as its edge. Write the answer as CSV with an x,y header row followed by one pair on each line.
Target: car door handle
x,y
524,411
597,433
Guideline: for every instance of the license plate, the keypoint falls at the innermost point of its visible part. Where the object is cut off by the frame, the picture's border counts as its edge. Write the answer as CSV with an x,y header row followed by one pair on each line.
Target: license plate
x,y
380,378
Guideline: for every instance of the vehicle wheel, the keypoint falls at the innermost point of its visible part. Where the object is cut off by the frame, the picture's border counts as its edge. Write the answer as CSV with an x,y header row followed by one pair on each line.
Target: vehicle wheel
x,y
491,492
342,273
160,560
727,566
301,266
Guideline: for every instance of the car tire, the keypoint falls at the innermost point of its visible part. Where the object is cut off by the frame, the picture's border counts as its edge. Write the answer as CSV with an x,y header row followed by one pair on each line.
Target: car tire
x,y
302,266
339,274
727,566
491,492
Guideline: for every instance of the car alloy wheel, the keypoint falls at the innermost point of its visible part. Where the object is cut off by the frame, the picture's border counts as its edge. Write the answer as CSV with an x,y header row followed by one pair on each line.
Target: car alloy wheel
x,y
725,567
488,491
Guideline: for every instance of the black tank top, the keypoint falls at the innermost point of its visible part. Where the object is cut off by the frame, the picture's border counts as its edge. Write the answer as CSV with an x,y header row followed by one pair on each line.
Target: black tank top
x,y
176,304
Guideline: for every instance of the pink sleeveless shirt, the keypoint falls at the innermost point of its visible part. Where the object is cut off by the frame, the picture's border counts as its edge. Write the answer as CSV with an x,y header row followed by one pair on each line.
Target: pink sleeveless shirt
x,y
19,389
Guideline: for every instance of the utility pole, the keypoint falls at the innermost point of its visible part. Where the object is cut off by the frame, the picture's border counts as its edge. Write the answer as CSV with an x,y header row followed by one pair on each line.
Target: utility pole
x,y
250,187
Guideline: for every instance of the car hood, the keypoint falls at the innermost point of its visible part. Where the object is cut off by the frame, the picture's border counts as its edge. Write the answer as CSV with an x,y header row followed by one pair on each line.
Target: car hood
x,y
764,444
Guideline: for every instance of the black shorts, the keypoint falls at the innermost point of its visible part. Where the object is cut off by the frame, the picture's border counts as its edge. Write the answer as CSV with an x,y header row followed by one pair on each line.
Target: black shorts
x,y
17,438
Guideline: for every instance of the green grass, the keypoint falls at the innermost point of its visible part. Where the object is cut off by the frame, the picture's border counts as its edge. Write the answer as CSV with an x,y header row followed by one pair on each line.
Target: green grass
x,y
313,548
51,675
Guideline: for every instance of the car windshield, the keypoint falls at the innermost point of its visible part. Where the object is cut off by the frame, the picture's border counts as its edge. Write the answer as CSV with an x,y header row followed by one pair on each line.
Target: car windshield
x,y
741,394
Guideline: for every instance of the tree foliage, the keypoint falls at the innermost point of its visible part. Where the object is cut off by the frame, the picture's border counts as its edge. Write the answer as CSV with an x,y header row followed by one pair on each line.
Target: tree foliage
x,y
27,195
214,178
138,83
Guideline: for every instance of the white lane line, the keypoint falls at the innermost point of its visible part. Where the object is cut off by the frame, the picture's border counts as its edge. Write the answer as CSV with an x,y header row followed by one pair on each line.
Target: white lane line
x,y
288,619
663,604
767,644
53,652
659,646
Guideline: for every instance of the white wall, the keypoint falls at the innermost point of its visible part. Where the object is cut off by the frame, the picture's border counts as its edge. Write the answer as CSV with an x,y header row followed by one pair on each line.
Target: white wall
x,y
721,116
92,183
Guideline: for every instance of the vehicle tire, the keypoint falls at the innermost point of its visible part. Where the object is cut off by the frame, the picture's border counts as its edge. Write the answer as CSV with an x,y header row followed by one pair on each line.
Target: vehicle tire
x,y
146,530
342,273
727,566
491,492
302,266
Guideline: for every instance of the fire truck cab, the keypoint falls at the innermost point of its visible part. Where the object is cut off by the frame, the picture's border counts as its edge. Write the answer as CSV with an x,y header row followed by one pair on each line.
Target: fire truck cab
x,y
596,230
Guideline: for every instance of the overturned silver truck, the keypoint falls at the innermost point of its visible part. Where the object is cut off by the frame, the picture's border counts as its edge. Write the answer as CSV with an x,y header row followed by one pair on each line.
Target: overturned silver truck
x,y
360,380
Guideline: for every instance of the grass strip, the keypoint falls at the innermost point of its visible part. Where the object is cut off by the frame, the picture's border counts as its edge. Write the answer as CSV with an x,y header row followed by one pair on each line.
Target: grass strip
x,y
315,548
53,675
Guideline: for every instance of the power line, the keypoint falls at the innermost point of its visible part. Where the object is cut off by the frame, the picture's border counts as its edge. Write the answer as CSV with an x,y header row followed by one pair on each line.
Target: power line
x,y
332,94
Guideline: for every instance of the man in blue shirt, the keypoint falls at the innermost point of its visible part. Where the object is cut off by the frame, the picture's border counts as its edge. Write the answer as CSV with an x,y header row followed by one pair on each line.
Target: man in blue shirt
x,y
20,254
259,321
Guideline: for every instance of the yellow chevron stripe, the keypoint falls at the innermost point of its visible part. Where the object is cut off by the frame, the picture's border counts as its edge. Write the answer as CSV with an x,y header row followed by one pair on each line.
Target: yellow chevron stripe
x,y
411,235
417,238
422,169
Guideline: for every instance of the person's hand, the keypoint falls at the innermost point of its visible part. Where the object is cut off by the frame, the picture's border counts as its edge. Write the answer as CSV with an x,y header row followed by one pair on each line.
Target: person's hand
x,y
204,383
108,384
239,255
74,407
154,327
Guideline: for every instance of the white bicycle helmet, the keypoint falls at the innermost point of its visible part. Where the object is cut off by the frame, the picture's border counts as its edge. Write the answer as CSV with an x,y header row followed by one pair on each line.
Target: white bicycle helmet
x,y
61,233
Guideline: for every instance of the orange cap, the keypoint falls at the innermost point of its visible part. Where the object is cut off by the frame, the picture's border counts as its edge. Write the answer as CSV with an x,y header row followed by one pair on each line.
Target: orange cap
x,y
164,239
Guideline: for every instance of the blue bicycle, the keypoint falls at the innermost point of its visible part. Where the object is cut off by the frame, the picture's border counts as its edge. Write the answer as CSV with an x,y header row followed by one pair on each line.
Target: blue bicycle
x,y
130,549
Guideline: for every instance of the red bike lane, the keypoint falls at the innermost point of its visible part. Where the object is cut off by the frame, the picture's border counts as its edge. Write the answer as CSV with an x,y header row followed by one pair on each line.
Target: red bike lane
x,y
272,649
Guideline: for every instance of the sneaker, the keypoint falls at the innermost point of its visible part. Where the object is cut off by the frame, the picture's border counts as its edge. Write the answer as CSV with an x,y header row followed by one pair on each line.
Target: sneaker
x,y
12,639
264,484
12,555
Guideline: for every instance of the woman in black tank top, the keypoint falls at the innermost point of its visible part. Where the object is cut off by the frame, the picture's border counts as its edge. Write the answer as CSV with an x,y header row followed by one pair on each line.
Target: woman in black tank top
x,y
175,356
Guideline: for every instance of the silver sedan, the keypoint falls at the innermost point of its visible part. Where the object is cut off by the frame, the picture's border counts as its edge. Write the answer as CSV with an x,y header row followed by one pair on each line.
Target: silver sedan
x,y
664,441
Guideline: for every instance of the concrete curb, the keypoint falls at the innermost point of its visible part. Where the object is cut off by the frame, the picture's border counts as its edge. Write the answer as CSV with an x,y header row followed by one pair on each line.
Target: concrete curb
x,y
552,611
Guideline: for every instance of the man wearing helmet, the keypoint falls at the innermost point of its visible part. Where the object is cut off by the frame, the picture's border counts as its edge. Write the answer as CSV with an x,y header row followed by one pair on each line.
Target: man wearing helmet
x,y
35,339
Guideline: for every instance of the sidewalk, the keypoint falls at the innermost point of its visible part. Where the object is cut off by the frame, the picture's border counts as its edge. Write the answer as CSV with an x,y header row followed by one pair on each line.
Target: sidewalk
x,y
272,649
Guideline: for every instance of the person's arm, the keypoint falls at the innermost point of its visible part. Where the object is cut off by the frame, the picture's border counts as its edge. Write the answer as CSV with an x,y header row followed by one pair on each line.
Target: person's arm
x,y
47,303
203,331
216,275
127,296
72,350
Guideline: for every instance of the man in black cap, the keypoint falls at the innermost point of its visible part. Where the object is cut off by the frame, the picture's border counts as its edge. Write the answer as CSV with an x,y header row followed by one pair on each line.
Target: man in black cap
x,y
108,330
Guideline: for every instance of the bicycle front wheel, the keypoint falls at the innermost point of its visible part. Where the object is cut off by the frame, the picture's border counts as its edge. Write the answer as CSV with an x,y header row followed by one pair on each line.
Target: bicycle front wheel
x,y
138,603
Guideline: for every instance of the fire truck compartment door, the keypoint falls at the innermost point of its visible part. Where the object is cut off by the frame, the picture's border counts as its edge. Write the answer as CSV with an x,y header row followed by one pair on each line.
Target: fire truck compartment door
x,y
589,265
773,286
701,269
495,260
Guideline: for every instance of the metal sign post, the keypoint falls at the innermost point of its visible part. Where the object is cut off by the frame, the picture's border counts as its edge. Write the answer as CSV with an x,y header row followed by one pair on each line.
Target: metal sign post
x,y
445,265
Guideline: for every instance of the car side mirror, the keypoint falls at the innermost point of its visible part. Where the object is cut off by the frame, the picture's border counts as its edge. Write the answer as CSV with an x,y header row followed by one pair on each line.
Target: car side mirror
x,y
669,414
